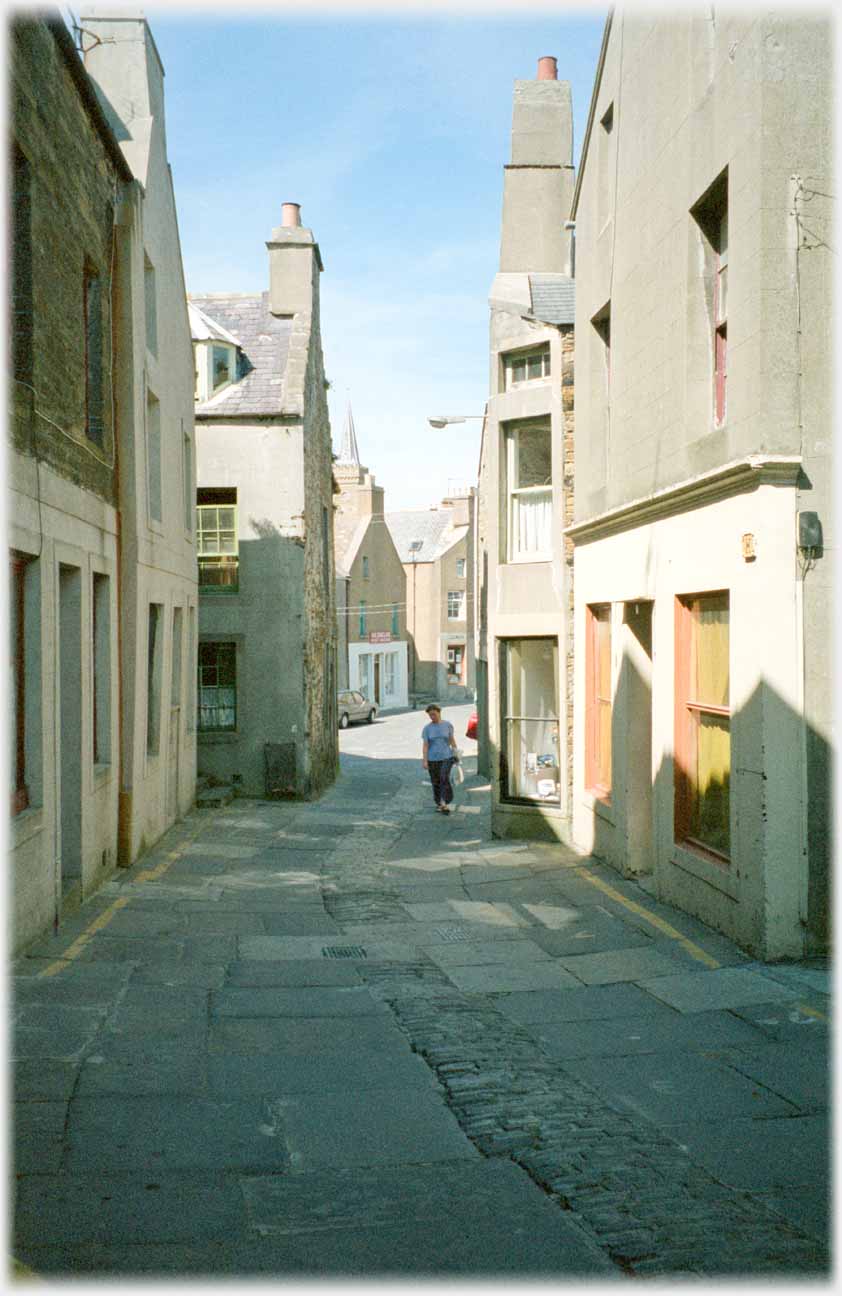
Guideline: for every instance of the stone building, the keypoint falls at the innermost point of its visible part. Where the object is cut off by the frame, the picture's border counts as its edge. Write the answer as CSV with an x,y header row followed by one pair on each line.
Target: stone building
x,y
524,567
102,575
371,609
267,618
703,531
435,546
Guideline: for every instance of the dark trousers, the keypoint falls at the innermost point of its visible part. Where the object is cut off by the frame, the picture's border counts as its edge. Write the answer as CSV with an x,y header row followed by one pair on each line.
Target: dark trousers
x,y
440,779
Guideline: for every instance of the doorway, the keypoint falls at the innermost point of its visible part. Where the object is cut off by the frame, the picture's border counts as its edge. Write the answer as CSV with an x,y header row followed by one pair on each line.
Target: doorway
x,y
69,738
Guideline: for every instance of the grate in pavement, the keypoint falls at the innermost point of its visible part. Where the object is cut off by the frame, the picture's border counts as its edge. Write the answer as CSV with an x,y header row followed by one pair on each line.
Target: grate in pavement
x,y
344,951
455,933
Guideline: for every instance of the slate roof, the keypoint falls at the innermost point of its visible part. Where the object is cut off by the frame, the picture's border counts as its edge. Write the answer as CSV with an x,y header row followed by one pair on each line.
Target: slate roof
x,y
553,298
434,527
261,363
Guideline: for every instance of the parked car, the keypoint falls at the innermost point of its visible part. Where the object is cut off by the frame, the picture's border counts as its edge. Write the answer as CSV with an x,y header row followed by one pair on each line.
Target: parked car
x,y
473,725
353,706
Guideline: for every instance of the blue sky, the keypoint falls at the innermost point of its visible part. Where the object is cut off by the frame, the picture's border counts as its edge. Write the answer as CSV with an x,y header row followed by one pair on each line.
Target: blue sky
x,y
392,133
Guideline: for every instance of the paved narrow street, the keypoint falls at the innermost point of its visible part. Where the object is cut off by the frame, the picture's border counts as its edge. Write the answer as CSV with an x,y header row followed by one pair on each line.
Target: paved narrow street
x,y
356,1037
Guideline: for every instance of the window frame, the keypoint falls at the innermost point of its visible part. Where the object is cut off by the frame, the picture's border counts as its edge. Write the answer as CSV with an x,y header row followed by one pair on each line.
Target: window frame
x,y
688,713
229,559
522,355
362,612
511,436
204,360
504,647
460,568
598,763
456,599
204,645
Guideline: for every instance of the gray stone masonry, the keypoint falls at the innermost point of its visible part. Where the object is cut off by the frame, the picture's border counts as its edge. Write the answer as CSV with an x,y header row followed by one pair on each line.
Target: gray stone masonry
x,y
255,1054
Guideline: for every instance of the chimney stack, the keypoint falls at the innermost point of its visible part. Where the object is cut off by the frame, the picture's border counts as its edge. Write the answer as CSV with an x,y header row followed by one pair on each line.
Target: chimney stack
x,y
538,183
294,265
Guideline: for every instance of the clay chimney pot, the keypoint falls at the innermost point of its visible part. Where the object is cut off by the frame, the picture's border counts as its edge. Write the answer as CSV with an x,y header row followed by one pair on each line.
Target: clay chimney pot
x,y
290,214
547,68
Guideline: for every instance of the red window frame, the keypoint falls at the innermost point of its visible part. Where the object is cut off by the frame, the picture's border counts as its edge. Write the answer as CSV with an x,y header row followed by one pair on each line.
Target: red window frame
x,y
597,760
689,712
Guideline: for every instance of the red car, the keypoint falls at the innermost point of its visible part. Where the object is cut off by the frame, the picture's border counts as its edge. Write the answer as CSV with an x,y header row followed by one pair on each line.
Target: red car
x,y
473,723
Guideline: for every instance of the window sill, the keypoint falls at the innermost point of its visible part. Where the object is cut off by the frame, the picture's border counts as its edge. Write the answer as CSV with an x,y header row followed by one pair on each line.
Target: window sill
x,y
229,591
534,559
706,867
217,737
27,824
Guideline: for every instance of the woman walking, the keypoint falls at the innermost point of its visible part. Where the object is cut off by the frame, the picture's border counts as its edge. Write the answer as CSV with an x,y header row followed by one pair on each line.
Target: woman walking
x,y
438,756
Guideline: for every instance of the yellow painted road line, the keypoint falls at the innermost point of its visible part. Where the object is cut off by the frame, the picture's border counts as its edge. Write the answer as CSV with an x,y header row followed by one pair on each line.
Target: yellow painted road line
x,y
811,1012
73,951
148,875
693,950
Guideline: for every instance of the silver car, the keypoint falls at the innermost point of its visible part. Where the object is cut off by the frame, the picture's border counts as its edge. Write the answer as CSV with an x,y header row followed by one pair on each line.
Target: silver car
x,y
353,706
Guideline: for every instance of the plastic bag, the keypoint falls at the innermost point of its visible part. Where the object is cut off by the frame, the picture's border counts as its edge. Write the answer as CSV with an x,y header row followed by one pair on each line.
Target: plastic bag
x,y
458,772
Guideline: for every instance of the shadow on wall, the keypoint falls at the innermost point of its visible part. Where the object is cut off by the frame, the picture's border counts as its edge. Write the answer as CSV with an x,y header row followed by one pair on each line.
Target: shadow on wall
x,y
730,817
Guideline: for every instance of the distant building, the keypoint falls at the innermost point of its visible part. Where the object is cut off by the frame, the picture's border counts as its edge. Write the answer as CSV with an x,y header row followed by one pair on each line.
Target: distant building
x,y
703,523
371,584
435,547
524,566
100,469
264,524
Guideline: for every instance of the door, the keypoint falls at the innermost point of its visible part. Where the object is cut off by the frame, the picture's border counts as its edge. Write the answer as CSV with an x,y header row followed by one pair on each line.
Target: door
x,y
378,657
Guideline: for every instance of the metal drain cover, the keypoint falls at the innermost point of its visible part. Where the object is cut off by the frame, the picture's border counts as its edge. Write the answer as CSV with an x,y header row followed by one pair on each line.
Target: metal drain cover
x,y
455,933
344,951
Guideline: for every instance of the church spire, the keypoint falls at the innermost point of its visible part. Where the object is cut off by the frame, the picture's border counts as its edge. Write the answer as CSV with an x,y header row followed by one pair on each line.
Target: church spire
x,y
349,453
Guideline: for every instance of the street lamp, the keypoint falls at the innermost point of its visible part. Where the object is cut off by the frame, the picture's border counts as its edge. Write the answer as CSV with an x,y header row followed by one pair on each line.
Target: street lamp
x,y
442,420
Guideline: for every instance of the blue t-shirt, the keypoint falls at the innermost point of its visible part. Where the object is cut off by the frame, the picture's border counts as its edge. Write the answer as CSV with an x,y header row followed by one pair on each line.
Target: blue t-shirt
x,y
437,737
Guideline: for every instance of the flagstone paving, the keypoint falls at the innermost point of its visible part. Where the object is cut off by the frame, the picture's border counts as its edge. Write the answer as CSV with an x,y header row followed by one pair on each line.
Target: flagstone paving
x,y
355,1038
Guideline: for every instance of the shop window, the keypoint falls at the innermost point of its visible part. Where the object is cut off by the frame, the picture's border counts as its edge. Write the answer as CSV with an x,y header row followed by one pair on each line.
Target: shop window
x,y
703,723
528,461
217,543
529,759
598,701
525,366
217,687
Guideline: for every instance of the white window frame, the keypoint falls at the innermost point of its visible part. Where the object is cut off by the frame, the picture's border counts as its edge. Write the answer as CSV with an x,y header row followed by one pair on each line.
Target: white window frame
x,y
511,359
513,553
204,368
460,568
229,550
457,598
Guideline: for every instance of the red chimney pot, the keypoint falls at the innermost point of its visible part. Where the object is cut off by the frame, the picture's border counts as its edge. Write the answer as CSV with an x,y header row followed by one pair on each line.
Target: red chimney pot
x,y
290,214
548,68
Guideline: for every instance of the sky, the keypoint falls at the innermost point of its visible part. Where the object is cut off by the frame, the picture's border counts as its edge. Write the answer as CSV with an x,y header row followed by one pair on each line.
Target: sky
x,y
391,129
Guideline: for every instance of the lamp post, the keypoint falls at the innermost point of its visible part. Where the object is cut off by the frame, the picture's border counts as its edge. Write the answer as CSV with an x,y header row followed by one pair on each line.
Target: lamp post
x,y
442,420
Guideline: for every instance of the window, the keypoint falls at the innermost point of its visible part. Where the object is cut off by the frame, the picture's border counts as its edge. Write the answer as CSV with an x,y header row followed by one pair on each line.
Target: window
x,y
191,658
153,456
362,617
365,567
605,166
175,674
455,605
395,627
598,701
529,760
151,306
703,723
711,216
101,661
153,680
456,664
22,316
460,567
25,681
529,489
217,687
92,301
217,544
526,366
215,367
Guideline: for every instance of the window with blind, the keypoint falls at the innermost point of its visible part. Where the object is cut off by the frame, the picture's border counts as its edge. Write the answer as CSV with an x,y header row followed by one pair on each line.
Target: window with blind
x,y
703,723
598,701
529,759
529,491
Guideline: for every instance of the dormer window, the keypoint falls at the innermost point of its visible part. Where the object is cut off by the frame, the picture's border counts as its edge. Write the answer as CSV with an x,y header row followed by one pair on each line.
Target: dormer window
x,y
216,368
526,366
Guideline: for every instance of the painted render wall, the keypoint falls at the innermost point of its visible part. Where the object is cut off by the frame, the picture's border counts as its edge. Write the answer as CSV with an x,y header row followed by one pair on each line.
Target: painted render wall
x,y
384,586
158,554
691,97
